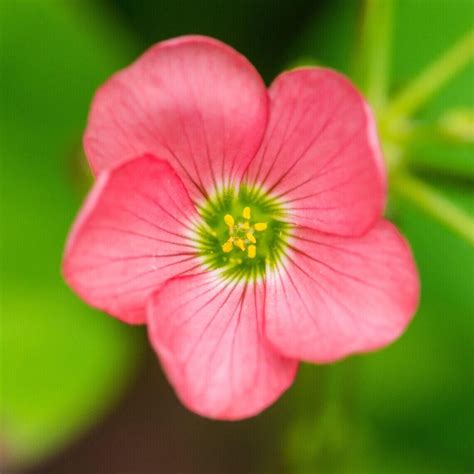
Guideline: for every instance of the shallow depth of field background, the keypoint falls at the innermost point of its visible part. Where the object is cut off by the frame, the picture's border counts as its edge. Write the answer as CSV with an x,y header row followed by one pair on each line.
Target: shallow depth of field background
x,y
83,393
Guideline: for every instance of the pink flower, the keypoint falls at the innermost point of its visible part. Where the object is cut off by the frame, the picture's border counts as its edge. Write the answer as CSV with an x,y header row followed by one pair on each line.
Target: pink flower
x,y
243,226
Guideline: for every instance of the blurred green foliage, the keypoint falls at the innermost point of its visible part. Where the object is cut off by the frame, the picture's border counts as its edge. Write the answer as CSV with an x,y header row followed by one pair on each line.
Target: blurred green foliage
x,y
62,362
262,30
406,409
410,405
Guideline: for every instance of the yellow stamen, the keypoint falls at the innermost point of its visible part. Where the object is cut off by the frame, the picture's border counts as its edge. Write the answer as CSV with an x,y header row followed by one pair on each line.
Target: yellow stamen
x,y
240,243
260,226
229,220
252,251
245,226
251,237
228,246
246,213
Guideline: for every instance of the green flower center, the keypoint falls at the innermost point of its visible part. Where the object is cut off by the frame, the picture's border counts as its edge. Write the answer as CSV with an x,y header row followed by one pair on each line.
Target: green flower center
x,y
243,233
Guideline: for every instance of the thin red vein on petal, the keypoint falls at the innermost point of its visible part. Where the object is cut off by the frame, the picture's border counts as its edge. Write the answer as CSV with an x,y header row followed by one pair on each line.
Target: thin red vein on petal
x,y
127,239
209,336
193,101
321,151
337,296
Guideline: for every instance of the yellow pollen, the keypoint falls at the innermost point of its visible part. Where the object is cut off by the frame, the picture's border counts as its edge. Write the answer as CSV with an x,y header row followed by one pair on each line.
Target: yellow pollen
x,y
242,233
240,243
252,251
229,220
251,237
228,246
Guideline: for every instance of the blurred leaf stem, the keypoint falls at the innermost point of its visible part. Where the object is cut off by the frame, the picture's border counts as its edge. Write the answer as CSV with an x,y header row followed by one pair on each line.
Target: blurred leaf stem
x,y
323,429
372,54
430,80
434,203
372,73
398,110
455,126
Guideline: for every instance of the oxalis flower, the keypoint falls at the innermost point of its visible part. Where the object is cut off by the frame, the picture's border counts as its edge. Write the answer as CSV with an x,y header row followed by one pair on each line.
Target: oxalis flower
x,y
243,226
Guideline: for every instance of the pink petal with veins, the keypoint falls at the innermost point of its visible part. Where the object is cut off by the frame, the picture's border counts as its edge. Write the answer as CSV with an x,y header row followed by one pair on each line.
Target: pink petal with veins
x,y
336,296
320,153
209,336
130,237
193,101
347,282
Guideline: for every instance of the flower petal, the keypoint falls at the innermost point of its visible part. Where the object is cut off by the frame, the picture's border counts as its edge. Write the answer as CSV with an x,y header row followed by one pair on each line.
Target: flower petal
x,y
193,101
208,334
130,237
320,154
335,296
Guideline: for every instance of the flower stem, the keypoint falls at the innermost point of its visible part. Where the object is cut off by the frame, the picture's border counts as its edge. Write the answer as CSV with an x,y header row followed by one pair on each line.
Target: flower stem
x,y
321,435
372,56
435,204
423,87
